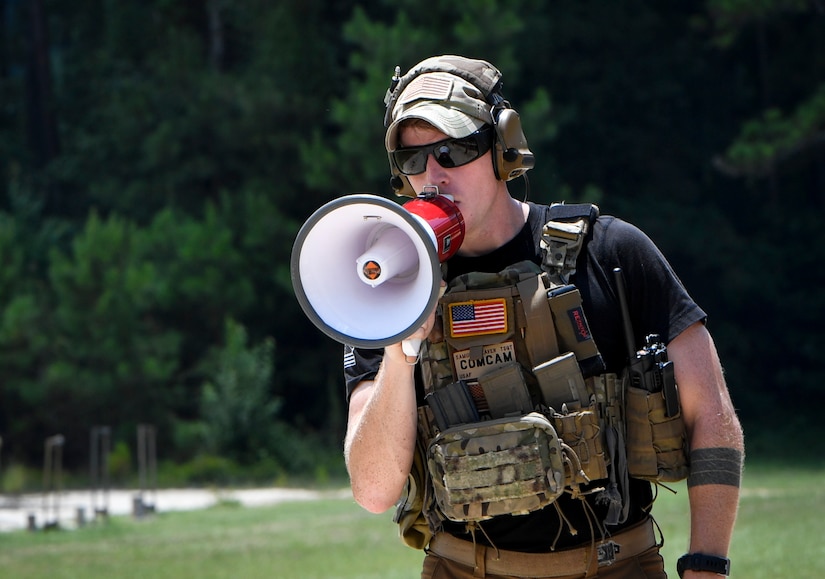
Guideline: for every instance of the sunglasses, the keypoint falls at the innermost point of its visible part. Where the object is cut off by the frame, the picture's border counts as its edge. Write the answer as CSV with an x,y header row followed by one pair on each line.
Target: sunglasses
x,y
448,153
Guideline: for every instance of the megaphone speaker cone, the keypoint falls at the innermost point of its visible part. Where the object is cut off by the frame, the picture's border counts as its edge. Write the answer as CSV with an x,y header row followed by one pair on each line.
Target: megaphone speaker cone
x,y
389,256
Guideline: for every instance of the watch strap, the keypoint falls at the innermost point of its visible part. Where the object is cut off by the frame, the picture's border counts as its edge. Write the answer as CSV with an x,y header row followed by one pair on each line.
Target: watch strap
x,y
702,562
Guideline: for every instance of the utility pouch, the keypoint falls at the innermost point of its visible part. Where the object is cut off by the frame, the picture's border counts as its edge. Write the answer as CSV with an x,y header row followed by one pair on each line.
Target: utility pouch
x,y
656,443
507,466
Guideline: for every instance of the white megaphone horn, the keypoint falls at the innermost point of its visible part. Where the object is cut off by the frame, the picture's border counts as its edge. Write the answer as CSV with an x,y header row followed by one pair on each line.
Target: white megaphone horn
x,y
367,271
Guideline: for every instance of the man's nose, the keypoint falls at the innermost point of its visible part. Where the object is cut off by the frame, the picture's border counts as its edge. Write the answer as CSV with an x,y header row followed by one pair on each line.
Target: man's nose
x,y
435,172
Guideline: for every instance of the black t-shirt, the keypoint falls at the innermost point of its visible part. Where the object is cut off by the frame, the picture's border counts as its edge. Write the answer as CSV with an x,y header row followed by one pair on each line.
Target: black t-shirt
x,y
658,304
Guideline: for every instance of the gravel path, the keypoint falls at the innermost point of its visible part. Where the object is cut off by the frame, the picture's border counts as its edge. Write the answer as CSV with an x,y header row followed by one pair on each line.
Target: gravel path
x,y
68,508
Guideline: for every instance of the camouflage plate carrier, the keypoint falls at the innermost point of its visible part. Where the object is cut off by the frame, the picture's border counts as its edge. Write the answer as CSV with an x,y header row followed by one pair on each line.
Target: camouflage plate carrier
x,y
518,407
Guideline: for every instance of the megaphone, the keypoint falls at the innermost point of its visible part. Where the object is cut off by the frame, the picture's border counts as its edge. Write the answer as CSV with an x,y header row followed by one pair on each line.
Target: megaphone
x,y
367,271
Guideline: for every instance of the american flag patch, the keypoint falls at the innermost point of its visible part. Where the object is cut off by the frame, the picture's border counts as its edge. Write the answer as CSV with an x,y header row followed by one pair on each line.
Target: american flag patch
x,y
349,356
478,318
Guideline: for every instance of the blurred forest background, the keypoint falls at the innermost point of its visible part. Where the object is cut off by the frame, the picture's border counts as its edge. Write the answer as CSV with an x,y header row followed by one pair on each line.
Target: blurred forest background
x,y
157,158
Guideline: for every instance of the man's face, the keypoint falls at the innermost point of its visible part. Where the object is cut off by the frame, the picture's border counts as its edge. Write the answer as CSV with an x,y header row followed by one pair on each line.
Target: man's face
x,y
473,186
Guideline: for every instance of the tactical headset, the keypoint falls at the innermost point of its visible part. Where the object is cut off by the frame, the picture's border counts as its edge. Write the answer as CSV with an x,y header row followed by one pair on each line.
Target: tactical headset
x,y
511,157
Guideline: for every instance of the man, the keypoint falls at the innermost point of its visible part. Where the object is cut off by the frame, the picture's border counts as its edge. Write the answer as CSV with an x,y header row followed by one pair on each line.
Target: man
x,y
448,127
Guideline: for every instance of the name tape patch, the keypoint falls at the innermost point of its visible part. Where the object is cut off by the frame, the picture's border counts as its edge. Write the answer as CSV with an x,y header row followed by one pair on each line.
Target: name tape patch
x,y
491,358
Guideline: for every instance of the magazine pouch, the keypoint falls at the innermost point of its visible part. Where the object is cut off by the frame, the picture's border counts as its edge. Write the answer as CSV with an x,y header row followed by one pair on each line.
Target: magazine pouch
x,y
656,443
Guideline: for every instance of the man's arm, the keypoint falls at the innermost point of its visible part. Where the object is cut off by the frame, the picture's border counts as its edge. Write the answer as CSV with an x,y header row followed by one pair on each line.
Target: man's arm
x,y
381,429
711,423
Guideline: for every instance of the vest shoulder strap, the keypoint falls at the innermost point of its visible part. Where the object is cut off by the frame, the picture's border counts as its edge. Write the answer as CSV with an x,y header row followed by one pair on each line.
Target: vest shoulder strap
x,y
574,212
563,237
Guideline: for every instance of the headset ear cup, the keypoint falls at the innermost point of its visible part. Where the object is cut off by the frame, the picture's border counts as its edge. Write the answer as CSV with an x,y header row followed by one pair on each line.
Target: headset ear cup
x,y
513,157
498,160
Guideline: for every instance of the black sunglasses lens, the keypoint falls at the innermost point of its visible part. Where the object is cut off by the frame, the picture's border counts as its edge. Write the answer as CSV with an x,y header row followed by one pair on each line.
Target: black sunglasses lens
x,y
460,152
444,156
448,153
411,161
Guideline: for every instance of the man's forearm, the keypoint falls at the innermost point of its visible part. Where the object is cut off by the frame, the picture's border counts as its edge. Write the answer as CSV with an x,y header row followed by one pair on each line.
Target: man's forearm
x,y
716,461
713,511
381,435
713,485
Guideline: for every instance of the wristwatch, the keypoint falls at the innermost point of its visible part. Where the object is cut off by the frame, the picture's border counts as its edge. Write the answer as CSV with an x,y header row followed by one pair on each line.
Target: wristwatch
x,y
701,562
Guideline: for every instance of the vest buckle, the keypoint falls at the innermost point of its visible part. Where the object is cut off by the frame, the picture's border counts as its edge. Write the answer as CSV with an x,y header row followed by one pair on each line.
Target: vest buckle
x,y
607,553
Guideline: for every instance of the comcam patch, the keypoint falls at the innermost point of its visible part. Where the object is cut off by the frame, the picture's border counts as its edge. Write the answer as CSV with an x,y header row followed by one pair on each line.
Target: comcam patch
x,y
491,358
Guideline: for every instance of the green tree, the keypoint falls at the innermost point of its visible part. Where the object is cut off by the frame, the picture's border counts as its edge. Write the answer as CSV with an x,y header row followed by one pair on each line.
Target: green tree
x,y
237,408
110,360
193,138
240,418
778,154
383,38
785,136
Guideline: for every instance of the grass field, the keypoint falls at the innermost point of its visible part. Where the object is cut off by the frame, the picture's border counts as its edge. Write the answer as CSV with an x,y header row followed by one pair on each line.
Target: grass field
x,y
780,533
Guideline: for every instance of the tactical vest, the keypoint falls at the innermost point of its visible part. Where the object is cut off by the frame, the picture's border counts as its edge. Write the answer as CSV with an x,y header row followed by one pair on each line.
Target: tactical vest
x,y
518,407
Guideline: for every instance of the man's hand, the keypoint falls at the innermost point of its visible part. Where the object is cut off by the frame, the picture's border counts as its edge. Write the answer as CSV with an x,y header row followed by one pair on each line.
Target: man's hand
x,y
411,346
